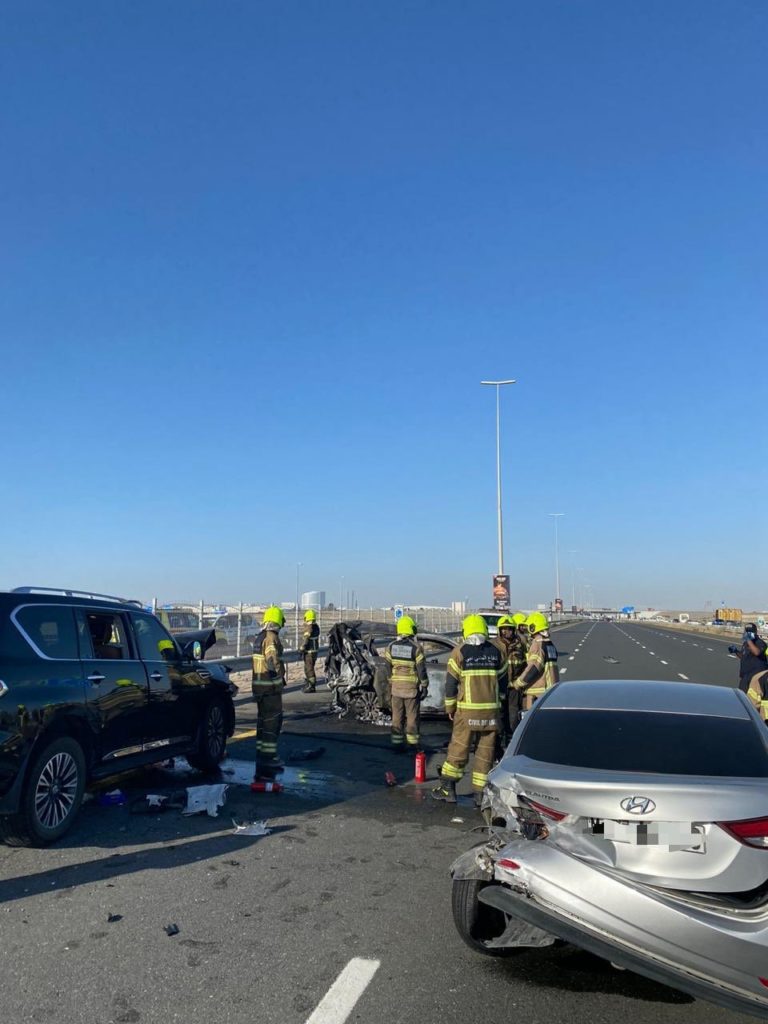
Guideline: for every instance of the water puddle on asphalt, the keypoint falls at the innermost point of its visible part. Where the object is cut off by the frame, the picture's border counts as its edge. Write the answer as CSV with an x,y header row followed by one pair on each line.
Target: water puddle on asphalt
x,y
297,781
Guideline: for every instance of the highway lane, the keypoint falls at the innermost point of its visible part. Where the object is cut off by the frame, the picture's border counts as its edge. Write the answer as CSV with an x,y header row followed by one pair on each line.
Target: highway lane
x,y
618,650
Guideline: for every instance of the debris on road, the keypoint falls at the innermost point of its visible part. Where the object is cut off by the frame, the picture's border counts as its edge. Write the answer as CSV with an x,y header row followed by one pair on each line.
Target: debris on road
x,y
112,918
309,754
114,798
610,660
171,929
263,786
250,828
390,778
457,821
206,798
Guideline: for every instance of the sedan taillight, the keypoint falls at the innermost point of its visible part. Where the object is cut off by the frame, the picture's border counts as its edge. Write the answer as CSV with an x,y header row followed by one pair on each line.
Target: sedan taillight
x,y
752,832
547,812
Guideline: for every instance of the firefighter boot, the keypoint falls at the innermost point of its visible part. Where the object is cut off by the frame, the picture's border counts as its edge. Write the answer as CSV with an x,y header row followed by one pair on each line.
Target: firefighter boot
x,y
308,687
446,791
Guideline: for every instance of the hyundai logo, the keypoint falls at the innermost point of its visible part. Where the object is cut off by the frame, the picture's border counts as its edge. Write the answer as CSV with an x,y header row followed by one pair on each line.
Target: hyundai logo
x,y
638,805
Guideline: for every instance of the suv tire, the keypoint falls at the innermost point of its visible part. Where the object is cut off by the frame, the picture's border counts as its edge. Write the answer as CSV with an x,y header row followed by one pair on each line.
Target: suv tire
x,y
51,797
211,746
476,922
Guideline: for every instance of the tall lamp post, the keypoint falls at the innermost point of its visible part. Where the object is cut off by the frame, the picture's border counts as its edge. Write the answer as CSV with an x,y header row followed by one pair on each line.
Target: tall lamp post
x,y
556,516
498,384
298,566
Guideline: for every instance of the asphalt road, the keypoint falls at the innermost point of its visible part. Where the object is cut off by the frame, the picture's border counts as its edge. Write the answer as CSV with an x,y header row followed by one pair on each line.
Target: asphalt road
x,y
352,871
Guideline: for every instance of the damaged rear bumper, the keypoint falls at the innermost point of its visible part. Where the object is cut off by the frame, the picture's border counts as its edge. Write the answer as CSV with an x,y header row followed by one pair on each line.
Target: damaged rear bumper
x,y
522,907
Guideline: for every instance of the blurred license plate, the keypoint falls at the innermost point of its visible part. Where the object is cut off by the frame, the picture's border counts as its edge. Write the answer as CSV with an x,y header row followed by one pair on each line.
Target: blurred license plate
x,y
675,834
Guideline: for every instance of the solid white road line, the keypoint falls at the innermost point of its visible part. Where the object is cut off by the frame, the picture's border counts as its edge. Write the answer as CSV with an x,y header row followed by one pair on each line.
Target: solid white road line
x,y
340,999
683,677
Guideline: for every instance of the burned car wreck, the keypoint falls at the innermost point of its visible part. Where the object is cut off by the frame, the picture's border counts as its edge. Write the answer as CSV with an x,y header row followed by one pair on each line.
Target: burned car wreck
x,y
357,675
630,819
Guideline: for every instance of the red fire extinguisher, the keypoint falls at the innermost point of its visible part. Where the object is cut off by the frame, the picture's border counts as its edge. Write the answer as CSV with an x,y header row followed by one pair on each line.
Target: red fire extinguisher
x,y
421,767
260,786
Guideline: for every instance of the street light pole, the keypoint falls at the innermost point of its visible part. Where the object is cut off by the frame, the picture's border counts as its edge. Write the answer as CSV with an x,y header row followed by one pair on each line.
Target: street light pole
x,y
298,566
498,384
556,516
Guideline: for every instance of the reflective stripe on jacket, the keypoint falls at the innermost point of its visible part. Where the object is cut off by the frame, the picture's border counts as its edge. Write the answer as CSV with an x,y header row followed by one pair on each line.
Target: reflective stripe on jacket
x,y
268,664
476,675
407,666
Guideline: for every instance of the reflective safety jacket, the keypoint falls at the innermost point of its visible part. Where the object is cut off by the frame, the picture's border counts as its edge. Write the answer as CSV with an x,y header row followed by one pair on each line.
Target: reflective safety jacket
x,y
476,676
758,693
514,651
407,667
268,664
310,641
540,672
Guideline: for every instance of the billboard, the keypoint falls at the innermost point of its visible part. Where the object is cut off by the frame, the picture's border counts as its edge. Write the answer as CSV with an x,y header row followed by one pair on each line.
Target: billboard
x,y
558,604
501,593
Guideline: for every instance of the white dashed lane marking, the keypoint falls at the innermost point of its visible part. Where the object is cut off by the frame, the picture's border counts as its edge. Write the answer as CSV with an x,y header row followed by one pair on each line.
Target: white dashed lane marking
x,y
663,662
340,999
682,676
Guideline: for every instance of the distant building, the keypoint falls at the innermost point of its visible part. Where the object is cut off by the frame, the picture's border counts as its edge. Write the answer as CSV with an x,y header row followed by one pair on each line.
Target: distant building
x,y
459,607
314,599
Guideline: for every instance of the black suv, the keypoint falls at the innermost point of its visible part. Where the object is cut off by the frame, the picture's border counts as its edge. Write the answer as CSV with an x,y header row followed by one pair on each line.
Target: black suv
x,y
92,685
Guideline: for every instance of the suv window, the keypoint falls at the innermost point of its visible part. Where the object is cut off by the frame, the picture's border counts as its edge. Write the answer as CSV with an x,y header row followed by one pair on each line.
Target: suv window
x,y
50,629
645,741
154,642
106,632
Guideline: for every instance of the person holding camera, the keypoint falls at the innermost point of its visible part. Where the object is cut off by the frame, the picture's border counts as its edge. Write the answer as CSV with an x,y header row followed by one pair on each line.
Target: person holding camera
x,y
752,655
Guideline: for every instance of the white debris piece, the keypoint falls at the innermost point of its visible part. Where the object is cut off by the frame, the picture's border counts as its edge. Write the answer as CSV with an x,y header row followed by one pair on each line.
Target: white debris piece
x,y
206,798
250,828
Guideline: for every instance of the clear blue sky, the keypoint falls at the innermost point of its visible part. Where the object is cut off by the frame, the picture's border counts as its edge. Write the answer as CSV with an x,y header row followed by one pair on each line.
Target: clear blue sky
x,y
255,258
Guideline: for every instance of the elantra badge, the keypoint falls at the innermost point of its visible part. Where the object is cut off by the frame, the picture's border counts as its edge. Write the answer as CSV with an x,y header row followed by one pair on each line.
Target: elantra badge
x,y
638,805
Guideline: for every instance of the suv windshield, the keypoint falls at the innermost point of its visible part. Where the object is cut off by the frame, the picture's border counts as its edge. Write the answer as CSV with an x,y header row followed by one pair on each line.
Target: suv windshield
x,y
645,741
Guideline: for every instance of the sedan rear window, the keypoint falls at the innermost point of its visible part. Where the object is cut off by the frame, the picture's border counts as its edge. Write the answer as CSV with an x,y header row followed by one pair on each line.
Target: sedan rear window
x,y
643,741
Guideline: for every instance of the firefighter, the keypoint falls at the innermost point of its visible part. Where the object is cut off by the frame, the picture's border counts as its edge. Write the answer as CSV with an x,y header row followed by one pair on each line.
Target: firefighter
x,y
475,680
511,647
540,672
752,656
267,682
520,619
407,670
309,647
758,693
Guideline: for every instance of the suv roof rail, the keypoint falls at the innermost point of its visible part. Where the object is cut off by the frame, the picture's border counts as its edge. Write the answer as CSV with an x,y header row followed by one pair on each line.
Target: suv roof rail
x,y
76,593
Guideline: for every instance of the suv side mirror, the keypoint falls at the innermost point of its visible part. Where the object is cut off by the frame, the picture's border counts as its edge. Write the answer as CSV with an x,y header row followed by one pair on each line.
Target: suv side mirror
x,y
197,651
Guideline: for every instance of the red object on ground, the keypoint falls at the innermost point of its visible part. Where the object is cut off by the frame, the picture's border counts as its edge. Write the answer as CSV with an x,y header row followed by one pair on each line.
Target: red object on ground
x,y
261,786
389,778
421,767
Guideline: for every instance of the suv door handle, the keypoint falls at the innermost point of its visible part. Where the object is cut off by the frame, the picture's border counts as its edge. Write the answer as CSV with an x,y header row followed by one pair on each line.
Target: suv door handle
x,y
96,677
157,676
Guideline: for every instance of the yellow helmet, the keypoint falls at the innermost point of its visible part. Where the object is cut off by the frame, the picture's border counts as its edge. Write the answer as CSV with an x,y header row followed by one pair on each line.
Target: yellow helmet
x,y
519,618
474,624
310,615
275,615
406,626
536,623
505,622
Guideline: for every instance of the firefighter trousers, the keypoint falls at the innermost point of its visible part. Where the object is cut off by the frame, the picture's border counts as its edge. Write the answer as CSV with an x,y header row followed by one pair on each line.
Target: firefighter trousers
x,y
310,657
405,722
269,701
462,738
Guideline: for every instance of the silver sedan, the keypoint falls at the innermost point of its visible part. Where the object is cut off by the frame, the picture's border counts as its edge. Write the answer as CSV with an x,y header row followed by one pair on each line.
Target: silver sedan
x,y
630,818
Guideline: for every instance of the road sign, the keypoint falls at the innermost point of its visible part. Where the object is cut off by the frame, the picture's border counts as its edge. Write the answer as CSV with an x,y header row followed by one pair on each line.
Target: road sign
x,y
627,609
399,611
